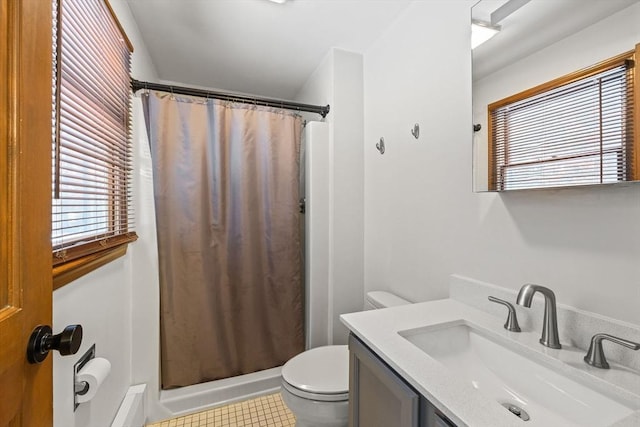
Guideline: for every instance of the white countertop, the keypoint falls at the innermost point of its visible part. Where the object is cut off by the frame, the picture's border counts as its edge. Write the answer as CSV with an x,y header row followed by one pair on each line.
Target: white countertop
x,y
457,398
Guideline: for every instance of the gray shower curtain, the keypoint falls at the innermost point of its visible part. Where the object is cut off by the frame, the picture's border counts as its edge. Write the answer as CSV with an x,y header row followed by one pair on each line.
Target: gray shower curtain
x,y
226,193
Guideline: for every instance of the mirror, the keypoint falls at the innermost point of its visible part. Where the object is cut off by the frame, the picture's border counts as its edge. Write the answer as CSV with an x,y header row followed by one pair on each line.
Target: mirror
x,y
537,41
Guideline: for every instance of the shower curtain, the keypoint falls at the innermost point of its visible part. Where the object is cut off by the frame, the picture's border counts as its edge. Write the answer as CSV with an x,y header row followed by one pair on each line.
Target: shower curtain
x,y
226,194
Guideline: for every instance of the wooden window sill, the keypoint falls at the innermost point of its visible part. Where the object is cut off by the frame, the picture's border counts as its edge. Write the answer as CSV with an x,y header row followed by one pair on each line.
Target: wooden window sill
x,y
72,270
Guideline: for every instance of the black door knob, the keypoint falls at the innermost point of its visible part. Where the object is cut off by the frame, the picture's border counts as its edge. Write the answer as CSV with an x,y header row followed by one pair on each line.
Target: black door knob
x,y
42,341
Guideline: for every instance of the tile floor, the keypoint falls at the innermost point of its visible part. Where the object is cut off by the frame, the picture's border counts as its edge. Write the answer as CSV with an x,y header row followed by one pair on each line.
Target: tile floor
x,y
265,411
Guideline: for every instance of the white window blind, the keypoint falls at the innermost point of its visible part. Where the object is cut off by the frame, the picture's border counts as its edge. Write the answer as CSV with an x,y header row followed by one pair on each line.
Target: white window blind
x,y
92,156
578,132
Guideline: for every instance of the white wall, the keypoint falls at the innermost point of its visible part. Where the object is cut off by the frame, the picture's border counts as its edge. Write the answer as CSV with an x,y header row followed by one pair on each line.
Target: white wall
x,y
145,290
316,236
348,189
422,220
102,300
101,303
338,81
318,90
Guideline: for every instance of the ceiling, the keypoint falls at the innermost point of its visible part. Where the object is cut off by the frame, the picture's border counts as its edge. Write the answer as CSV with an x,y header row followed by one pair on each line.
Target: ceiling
x,y
255,46
534,26
267,49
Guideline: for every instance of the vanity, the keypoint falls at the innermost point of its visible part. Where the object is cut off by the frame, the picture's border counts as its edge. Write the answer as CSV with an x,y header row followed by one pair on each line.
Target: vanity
x,y
452,363
379,396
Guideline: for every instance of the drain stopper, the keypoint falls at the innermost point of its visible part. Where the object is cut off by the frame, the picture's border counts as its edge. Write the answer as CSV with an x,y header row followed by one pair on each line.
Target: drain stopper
x,y
517,411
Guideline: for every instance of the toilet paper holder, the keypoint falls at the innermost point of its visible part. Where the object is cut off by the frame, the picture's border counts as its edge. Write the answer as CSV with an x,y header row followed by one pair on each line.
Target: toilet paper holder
x,y
81,388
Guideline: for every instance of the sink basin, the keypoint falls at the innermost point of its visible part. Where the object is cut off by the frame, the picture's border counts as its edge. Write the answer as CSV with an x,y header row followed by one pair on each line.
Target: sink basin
x,y
528,388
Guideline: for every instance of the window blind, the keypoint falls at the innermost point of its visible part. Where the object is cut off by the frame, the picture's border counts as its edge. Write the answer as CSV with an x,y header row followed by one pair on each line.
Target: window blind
x,y
91,209
578,132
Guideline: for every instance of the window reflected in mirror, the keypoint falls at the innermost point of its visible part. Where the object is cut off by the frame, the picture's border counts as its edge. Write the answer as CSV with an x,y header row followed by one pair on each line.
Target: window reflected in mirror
x,y
576,130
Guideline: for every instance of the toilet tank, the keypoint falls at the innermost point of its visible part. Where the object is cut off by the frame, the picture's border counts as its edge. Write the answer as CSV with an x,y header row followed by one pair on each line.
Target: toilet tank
x,y
381,299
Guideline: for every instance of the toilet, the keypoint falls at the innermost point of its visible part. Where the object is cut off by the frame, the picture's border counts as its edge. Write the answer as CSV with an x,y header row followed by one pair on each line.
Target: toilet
x,y
315,383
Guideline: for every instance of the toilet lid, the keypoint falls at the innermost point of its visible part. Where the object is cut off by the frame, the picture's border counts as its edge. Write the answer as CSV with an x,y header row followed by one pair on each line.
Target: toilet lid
x,y
319,370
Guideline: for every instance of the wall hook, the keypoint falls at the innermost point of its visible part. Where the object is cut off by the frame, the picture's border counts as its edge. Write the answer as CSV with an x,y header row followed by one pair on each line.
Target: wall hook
x,y
380,145
477,127
416,131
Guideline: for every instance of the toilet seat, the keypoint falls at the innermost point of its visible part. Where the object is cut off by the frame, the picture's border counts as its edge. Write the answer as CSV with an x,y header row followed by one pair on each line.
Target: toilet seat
x,y
319,397
321,374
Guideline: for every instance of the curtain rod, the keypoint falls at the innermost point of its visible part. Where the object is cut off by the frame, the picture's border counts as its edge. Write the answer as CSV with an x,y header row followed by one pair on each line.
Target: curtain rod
x,y
136,85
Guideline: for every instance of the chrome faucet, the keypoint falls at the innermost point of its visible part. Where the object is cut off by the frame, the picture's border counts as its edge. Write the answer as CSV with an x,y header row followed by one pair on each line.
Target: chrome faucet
x,y
550,336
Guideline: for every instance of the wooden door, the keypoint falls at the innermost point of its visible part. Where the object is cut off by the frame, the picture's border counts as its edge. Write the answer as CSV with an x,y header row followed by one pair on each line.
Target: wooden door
x,y
25,208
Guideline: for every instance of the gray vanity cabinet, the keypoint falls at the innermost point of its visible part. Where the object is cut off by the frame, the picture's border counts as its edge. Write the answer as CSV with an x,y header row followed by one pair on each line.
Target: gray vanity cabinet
x,y
378,397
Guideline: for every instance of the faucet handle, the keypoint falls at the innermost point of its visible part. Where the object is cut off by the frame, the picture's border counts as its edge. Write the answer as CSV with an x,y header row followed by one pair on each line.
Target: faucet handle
x,y
595,354
512,320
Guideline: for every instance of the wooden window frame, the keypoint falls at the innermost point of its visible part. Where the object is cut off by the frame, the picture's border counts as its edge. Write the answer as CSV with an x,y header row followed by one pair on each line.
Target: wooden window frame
x,y
633,55
86,258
